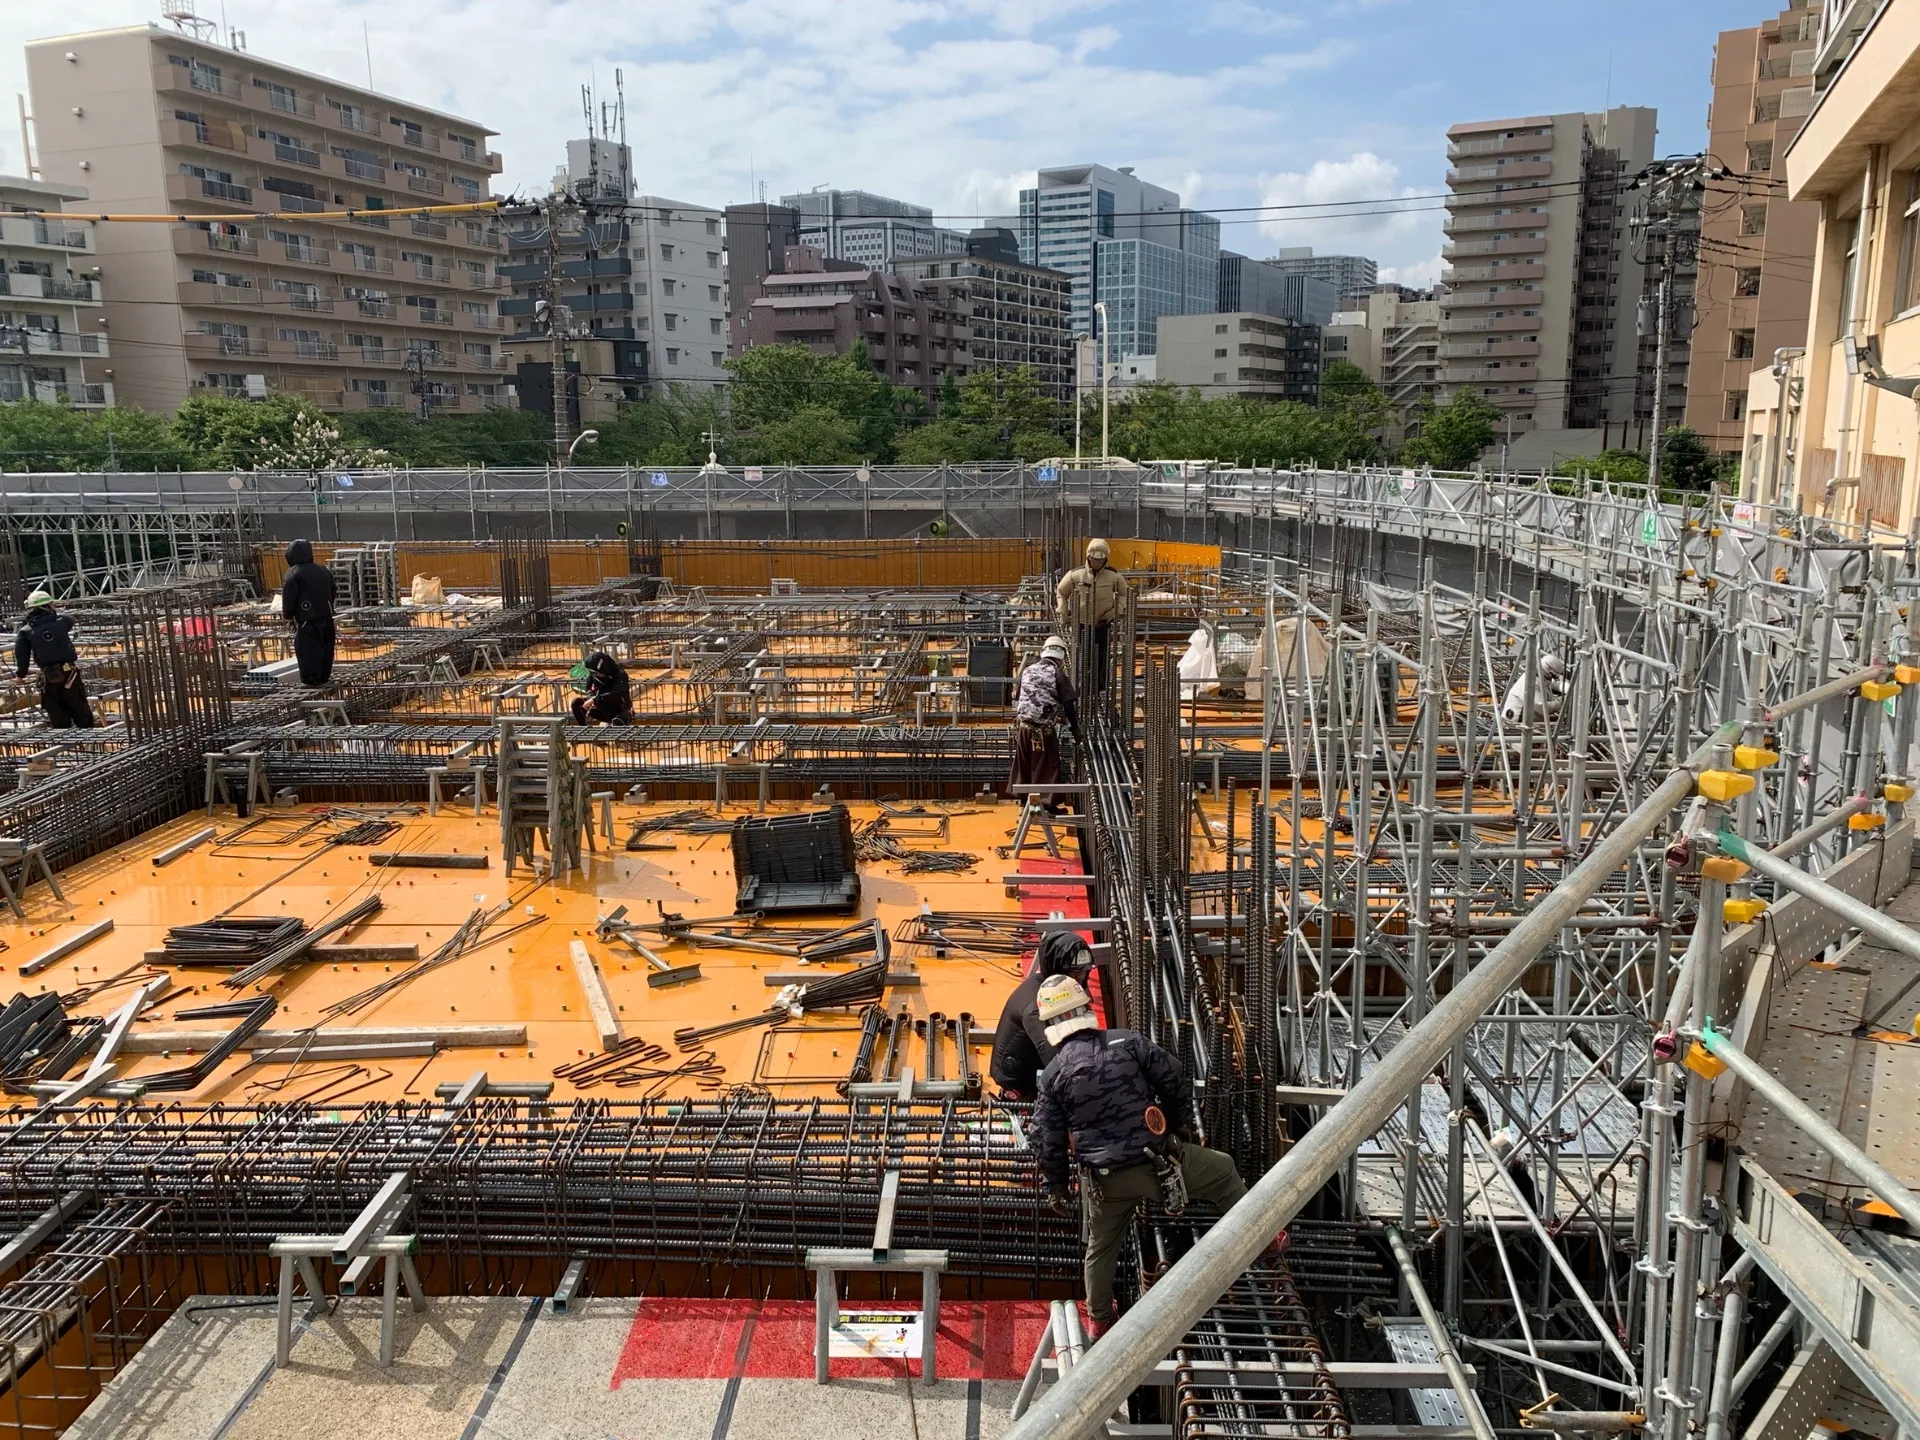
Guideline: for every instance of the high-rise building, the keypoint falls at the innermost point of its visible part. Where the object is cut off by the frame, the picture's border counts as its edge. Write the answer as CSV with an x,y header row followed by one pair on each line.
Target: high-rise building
x,y
1089,220
1538,315
1394,337
1757,253
642,271
1017,314
53,343
1347,274
352,312
758,238
1259,356
913,331
1263,289
871,230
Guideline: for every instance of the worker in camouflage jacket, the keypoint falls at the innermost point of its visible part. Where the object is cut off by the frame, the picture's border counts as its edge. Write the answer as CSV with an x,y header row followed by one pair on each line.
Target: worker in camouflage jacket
x,y
1128,1111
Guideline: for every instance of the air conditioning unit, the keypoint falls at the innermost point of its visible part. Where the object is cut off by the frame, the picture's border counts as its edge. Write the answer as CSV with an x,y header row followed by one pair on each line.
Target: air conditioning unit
x,y
256,387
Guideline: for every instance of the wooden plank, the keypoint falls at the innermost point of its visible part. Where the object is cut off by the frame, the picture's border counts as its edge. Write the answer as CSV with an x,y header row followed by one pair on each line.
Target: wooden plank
x,y
66,947
447,1037
419,860
599,1003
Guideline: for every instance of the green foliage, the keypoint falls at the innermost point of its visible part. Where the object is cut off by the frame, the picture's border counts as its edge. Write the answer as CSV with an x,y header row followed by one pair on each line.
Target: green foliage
x,y
1619,467
1685,464
36,436
1163,422
810,435
668,429
773,385
1452,435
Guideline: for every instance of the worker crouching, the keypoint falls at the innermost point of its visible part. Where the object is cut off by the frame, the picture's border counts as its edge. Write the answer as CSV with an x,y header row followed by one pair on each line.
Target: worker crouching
x,y
1128,1111
609,697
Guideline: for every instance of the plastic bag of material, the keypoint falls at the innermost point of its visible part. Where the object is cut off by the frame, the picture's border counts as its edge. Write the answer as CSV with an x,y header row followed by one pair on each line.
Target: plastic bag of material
x,y
1199,667
1234,653
427,590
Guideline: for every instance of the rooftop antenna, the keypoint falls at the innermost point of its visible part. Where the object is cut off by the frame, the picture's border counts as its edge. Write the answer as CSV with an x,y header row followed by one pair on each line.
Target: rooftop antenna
x,y
185,18
586,108
620,103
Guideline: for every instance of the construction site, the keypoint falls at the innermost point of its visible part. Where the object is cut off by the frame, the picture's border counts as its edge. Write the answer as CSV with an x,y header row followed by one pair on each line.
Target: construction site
x,y
1520,872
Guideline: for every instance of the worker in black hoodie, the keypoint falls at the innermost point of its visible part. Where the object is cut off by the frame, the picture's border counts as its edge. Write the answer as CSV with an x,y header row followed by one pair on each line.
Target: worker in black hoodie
x,y
1020,1045
46,640
609,697
306,599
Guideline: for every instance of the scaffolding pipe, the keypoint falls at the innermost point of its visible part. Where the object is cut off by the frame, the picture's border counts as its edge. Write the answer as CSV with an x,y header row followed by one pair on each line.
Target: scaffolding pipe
x,y
1857,913
1442,1342
1083,1400
1726,1358
1832,820
1833,689
1763,1352
1796,1111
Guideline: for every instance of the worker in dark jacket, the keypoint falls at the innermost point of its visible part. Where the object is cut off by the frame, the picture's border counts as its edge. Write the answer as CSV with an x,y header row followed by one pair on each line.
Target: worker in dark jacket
x,y
609,697
306,599
1127,1109
1020,1045
46,640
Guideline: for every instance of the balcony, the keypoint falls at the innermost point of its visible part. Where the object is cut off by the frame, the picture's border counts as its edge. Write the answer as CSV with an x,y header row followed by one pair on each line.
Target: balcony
x,y
1511,170
63,342
1476,299
214,134
287,104
371,264
362,169
190,190
429,317
1513,245
356,122
432,229
374,400
315,303
309,254
1501,273
295,155
485,322
379,355
53,392
480,280
425,185
415,138
194,79
226,346
376,309
39,287
1490,350
438,274
1519,144
1456,224
286,204
1489,322
312,349
201,242
1493,374
25,230
366,217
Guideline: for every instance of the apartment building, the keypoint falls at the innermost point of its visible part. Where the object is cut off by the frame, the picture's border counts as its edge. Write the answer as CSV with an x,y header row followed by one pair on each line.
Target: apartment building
x,y
645,273
870,230
1844,440
913,331
1263,289
1345,275
53,334
1395,338
1018,315
1260,357
1541,293
1757,253
1124,242
355,313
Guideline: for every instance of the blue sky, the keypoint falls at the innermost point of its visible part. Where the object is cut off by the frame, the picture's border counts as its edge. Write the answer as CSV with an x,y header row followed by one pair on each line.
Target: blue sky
x,y
954,103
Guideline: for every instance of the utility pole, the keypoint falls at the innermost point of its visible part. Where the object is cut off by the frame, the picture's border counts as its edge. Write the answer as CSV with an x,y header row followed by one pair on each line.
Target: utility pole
x,y
1661,326
416,367
557,332
1668,183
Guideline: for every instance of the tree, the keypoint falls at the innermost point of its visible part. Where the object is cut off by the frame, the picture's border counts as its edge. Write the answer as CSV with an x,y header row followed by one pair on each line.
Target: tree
x,y
1619,467
946,442
313,442
811,435
36,436
1453,435
775,383
1685,461
227,434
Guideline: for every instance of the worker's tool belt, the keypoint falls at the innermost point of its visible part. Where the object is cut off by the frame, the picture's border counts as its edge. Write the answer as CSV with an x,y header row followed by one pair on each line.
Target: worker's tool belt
x,y
1168,1173
1034,735
61,677
1092,1196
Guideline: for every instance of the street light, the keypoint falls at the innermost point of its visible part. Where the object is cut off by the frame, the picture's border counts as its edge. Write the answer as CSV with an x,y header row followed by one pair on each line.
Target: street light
x,y
1106,371
585,437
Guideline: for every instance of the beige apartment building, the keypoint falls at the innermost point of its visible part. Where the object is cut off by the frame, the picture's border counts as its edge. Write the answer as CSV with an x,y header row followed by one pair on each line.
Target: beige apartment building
x,y
1537,311
1756,255
1846,433
1396,341
1260,357
53,342
355,314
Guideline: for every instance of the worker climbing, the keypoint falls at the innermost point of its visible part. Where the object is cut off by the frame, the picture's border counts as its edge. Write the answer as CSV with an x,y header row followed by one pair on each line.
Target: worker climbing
x,y
1042,702
1087,602
306,600
609,694
46,640
1128,1110
1020,1044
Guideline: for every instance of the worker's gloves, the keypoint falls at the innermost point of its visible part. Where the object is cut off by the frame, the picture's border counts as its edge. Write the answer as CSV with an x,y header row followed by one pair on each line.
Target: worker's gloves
x,y
1078,738
1060,1202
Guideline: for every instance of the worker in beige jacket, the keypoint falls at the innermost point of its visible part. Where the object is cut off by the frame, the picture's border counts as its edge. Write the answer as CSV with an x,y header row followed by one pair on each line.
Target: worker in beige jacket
x,y
1086,603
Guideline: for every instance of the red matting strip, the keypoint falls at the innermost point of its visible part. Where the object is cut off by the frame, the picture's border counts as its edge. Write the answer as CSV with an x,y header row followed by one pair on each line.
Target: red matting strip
x,y
1039,901
698,1340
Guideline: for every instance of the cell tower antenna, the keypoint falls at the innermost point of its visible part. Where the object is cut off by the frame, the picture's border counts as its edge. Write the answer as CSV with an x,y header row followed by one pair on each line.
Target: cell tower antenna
x,y
186,18
620,102
586,108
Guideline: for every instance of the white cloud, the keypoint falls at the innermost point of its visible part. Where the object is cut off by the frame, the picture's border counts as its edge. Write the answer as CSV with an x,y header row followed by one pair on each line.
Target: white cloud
x,y
1419,275
1339,203
1245,18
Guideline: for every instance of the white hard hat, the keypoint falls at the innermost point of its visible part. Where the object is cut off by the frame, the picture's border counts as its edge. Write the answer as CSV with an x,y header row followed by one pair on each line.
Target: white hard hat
x,y
1064,1007
1055,647
1551,664
38,598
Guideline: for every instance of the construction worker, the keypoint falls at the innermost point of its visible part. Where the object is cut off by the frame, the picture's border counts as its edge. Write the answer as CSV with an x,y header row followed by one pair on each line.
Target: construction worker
x,y
1088,600
1129,1113
609,697
1042,701
306,600
1020,1045
46,640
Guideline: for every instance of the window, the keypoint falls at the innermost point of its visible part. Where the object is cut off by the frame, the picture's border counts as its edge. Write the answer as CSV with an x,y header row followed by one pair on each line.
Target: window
x,y
467,186
666,218
666,286
713,259
713,226
673,320
1766,109
1759,155
1736,406
713,325
479,352
1907,289
1219,377
673,356
713,293
1742,345
1220,354
1746,281
1849,276
1219,329
719,358
1753,219
666,252
1103,209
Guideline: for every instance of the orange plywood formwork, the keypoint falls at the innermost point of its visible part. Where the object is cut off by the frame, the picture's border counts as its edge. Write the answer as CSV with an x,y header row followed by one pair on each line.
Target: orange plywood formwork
x,y
1165,557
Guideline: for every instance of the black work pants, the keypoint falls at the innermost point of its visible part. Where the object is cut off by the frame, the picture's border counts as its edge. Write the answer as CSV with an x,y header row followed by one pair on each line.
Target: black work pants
x,y
600,710
66,704
313,648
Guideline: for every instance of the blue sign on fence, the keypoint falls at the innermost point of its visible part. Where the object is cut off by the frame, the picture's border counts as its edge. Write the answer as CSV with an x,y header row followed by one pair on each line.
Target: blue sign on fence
x,y
659,477
1045,474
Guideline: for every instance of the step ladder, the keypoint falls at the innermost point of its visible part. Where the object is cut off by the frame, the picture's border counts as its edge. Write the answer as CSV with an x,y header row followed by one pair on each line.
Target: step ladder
x,y
542,793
